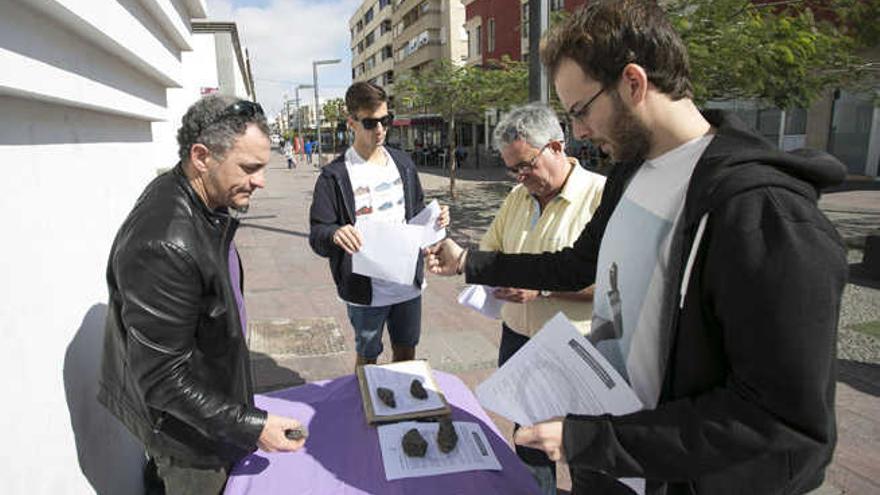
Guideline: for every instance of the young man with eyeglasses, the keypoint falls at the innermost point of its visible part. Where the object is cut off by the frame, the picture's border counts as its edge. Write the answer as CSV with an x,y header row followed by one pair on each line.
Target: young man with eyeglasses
x,y
718,280
554,199
370,182
175,367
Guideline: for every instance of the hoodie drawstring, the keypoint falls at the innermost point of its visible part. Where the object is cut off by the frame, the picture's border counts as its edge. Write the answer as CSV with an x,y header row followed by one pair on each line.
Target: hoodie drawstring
x,y
691,258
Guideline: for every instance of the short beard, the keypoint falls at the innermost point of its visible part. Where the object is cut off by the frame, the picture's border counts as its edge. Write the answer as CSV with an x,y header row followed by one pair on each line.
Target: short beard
x,y
630,137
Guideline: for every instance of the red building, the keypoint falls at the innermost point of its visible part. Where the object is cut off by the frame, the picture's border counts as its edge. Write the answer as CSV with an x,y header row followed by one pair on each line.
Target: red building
x,y
500,27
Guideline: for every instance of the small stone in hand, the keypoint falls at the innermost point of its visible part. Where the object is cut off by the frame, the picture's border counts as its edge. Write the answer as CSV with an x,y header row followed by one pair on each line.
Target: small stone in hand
x,y
418,390
414,445
386,395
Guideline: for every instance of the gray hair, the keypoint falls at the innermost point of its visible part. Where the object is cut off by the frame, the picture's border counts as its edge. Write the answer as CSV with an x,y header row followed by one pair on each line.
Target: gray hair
x,y
534,123
207,122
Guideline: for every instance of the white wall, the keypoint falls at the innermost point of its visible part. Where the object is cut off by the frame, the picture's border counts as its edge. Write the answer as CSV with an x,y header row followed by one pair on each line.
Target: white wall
x,y
82,88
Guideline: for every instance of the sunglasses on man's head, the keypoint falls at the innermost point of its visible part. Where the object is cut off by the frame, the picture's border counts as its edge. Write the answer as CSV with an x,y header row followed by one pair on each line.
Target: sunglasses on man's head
x,y
243,108
372,123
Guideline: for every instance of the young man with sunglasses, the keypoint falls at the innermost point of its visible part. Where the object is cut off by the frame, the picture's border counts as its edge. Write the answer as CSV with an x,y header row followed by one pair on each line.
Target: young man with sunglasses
x,y
718,279
370,182
175,367
553,201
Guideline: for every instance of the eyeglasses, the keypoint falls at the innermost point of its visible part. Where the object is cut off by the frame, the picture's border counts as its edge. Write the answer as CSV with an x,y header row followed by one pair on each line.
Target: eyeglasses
x,y
584,111
522,167
371,124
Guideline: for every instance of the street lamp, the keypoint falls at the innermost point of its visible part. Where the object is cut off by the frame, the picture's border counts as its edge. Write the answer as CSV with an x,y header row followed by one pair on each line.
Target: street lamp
x,y
315,65
299,116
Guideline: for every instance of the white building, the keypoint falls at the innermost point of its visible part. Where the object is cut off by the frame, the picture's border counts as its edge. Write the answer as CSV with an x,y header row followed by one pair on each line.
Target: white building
x,y
91,95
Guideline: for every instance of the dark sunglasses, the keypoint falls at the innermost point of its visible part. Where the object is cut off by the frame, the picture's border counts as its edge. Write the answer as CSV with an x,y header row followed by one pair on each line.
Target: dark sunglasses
x,y
241,108
371,124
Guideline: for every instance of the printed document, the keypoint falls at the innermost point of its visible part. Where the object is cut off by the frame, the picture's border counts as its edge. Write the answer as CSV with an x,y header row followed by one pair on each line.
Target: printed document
x,y
481,299
427,219
390,251
472,452
558,372
398,377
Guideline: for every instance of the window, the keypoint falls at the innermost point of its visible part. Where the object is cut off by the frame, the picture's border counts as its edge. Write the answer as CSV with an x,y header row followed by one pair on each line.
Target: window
x,y
361,46
469,48
525,20
556,5
368,16
386,52
370,63
370,39
388,78
491,34
360,26
384,3
385,27
478,41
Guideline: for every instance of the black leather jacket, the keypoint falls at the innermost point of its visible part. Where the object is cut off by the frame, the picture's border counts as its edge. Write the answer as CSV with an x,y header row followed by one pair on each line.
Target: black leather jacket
x,y
176,369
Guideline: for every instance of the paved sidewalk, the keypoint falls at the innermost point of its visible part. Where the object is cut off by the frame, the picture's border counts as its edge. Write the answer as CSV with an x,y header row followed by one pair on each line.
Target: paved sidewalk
x,y
299,329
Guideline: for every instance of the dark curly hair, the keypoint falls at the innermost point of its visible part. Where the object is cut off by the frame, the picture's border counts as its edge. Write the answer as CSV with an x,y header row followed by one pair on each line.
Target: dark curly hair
x,y
606,35
209,122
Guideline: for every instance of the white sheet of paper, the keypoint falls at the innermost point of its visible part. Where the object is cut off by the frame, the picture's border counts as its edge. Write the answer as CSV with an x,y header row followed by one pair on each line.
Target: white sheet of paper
x,y
558,372
473,451
390,251
481,299
427,219
398,377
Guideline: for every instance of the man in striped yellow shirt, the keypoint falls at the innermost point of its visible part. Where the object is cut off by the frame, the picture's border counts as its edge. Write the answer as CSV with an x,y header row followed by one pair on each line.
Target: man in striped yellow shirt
x,y
547,210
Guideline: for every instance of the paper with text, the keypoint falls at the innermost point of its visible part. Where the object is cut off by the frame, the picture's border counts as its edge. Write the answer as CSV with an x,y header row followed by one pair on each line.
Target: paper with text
x,y
558,372
481,299
427,219
472,452
390,251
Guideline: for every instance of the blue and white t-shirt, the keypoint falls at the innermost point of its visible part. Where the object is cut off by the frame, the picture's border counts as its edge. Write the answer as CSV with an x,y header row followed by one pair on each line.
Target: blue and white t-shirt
x,y
379,197
632,273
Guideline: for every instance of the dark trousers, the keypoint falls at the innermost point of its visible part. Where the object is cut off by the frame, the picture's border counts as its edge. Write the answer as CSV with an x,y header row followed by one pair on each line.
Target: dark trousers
x,y
541,467
164,476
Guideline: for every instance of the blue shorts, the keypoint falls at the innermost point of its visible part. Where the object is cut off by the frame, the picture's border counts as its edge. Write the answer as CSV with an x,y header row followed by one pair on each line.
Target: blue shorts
x,y
404,325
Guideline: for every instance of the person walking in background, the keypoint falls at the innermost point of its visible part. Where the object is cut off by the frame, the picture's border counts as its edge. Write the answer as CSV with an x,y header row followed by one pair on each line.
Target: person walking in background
x,y
308,148
370,182
718,279
553,201
176,370
288,152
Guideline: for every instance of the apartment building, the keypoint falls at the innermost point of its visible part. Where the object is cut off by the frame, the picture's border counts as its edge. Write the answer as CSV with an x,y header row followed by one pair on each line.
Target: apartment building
x,y
389,37
496,28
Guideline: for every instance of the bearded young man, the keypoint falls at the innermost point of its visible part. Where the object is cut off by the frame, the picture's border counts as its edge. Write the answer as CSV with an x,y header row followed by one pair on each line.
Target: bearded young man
x,y
725,276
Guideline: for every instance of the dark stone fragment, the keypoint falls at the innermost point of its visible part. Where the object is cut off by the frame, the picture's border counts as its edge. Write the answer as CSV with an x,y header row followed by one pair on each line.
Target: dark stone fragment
x,y
418,390
414,445
386,395
296,433
447,438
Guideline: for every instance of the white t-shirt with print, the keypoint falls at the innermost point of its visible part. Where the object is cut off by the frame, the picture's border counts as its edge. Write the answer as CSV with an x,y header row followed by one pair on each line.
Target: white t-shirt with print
x,y
379,197
632,270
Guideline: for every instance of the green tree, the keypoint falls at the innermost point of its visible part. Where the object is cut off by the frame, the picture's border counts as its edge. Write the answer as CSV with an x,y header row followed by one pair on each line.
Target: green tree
x,y
334,112
462,94
783,52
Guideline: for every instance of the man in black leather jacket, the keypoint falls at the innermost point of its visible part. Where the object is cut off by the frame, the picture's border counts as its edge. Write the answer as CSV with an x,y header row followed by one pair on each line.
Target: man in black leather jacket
x,y
175,368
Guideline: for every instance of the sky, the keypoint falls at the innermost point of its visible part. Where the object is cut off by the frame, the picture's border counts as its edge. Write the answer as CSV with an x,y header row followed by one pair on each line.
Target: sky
x,y
284,37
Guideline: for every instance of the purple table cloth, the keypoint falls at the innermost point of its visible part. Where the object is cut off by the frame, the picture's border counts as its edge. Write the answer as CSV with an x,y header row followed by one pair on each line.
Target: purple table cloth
x,y
342,454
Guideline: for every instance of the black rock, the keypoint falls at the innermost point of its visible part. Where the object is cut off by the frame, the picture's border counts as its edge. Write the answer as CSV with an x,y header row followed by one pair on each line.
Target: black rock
x,y
414,445
418,390
386,395
447,438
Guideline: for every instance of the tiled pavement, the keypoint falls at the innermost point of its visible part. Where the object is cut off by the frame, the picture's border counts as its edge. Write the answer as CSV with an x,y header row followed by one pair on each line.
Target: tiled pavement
x,y
300,331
